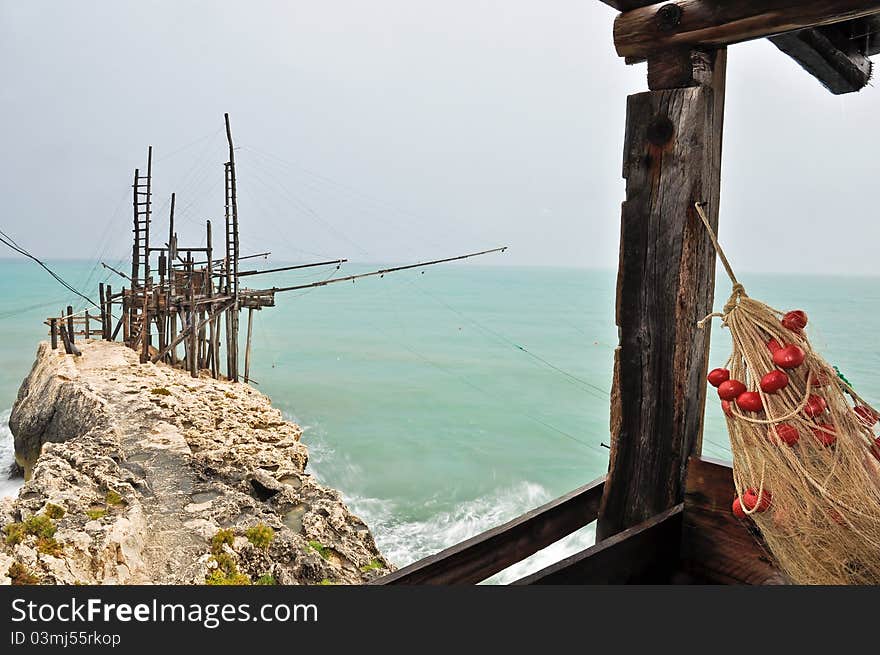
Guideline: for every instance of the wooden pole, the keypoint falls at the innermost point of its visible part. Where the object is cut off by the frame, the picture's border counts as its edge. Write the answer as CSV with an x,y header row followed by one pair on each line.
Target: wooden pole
x,y
126,327
70,334
109,304
161,314
53,332
145,322
86,329
232,262
172,291
103,310
193,354
247,348
213,326
672,159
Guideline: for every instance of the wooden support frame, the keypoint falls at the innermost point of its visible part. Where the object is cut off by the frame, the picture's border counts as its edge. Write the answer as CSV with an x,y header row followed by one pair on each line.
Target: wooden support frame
x,y
644,31
486,554
833,54
672,159
643,554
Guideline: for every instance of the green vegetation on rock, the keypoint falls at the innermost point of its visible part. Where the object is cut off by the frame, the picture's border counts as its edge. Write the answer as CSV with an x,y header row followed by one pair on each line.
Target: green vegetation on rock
x,y
19,575
372,566
266,579
320,548
95,514
54,511
260,535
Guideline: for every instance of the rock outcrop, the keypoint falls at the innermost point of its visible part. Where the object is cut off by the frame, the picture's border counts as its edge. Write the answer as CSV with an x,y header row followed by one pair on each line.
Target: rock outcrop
x,y
139,473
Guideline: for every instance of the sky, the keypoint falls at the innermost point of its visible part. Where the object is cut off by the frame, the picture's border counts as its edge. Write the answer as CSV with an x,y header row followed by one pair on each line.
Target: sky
x,y
396,130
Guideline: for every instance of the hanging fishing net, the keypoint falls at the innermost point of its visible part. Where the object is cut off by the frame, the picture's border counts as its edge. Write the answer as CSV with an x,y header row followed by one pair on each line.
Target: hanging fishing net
x,y
806,460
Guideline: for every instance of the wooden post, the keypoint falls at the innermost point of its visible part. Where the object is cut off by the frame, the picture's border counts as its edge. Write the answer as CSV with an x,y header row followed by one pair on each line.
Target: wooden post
x,y
126,328
172,255
145,320
192,356
109,336
53,332
70,334
672,159
231,261
247,348
213,326
103,310
160,295
86,329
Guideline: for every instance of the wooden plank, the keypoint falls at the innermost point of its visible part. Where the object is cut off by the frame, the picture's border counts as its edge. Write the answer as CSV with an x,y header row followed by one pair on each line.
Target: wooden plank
x,y
829,54
53,332
666,276
482,556
716,546
644,554
713,23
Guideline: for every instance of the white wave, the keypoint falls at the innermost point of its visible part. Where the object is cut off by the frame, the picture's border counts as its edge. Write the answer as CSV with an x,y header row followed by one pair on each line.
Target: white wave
x,y
406,541
8,486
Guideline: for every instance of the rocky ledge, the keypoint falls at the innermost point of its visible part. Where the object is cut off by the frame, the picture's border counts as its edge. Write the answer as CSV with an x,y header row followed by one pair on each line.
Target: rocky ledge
x,y
140,474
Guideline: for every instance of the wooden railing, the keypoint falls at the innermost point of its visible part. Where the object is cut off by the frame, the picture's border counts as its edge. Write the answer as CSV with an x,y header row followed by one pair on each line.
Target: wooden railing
x,y
486,554
696,541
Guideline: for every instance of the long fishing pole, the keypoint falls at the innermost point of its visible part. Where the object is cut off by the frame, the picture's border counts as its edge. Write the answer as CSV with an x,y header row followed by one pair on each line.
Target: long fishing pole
x,y
379,272
289,268
119,273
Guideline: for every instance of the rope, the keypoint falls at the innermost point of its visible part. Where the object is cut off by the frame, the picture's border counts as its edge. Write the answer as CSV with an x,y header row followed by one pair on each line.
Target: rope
x,y
822,524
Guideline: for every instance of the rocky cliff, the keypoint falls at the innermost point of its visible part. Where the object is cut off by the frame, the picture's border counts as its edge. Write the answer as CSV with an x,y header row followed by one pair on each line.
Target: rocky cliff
x,y
139,473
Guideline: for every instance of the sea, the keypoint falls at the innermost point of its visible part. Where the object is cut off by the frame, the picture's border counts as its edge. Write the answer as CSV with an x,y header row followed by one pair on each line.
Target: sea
x,y
444,401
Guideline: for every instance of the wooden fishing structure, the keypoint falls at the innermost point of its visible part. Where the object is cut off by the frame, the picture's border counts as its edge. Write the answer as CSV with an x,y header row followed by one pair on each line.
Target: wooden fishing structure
x,y
663,512
193,296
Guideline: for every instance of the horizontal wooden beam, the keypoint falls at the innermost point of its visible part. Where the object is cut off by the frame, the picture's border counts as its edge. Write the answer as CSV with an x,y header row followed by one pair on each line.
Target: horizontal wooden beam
x,y
713,23
645,553
832,54
488,553
716,546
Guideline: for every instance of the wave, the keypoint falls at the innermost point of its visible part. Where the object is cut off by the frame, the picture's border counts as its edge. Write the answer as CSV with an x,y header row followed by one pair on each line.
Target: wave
x,y
10,480
406,541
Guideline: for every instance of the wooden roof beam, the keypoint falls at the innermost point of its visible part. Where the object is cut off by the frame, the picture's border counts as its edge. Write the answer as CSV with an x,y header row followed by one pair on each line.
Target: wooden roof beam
x,y
643,31
835,54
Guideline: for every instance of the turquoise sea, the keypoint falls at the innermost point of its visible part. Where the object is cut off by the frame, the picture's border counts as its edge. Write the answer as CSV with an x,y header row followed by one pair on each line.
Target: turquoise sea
x,y
444,402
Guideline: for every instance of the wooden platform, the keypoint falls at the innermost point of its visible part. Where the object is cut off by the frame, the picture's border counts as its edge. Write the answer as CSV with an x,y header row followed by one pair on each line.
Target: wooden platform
x,y
696,542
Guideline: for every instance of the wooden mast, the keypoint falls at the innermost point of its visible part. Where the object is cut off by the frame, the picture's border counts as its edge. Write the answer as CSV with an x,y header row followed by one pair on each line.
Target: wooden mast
x,y
231,261
672,159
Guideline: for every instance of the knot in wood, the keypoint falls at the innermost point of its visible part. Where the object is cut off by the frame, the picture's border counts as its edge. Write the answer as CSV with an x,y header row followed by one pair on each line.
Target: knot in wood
x,y
660,131
668,17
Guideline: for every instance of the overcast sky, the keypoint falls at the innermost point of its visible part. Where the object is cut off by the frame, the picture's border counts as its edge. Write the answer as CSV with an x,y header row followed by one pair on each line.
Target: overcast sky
x,y
392,130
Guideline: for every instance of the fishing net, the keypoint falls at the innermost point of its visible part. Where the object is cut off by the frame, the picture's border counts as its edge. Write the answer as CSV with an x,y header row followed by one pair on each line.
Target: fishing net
x,y
806,461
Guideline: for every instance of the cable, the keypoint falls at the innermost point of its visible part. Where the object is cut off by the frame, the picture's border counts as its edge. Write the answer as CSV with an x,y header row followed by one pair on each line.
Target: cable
x,y
11,243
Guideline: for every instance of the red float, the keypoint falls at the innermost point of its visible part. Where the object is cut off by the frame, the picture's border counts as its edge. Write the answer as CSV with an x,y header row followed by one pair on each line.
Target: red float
x,y
774,381
750,401
738,510
725,407
730,389
815,406
773,345
866,415
795,320
824,434
786,433
717,376
789,357
750,500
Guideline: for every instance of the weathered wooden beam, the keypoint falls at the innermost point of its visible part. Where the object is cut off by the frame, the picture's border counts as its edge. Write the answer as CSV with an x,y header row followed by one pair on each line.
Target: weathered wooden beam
x,y
53,333
644,554
713,23
831,55
716,546
672,159
488,553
